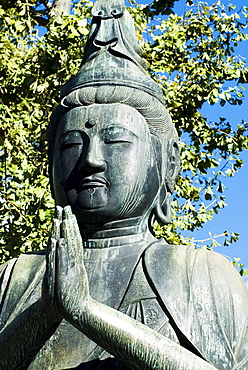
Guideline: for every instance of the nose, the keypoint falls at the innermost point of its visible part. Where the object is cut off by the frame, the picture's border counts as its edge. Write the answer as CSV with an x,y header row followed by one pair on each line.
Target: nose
x,y
92,158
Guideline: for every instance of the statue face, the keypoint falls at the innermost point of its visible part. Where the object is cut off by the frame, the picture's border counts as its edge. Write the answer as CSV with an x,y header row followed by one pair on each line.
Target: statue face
x,y
104,165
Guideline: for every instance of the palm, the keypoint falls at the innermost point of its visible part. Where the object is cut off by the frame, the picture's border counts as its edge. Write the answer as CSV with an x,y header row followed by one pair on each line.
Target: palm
x,y
65,286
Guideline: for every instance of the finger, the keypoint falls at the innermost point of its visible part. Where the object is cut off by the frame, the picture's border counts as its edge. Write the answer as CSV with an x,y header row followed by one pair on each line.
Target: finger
x,y
50,268
51,246
67,212
77,239
67,230
55,231
58,212
62,259
74,232
68,234
75,248
77,234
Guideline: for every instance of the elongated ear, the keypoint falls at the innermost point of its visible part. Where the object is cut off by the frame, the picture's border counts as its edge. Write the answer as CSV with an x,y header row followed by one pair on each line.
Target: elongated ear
x,y
162,209
173,164
50,167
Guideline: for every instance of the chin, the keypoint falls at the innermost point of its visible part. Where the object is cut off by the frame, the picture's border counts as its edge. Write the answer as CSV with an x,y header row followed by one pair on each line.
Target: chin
x,y
94,215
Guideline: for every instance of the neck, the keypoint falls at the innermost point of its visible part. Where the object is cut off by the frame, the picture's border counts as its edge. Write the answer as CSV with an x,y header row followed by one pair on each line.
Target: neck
x,y
116,233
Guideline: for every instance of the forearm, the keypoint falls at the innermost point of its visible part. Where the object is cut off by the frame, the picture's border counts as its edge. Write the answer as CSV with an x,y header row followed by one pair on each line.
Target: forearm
x,y
24,336
136,345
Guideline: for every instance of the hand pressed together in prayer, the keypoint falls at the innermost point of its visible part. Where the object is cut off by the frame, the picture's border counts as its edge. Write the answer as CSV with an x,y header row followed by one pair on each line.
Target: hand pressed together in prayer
x,y
65,283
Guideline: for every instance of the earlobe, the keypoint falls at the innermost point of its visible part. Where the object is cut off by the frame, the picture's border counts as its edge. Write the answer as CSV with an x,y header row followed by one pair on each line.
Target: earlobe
x,y
50,168
173,164
162,209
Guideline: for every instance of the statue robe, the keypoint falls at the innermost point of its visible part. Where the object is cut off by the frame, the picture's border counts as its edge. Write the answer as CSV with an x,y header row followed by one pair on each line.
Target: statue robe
x,y
194,297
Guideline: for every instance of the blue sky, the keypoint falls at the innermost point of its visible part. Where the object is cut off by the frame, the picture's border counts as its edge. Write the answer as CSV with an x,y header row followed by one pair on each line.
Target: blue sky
x,y
234,217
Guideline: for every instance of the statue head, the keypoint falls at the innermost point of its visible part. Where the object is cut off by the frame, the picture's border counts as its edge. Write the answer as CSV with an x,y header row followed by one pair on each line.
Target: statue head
x,y
113,147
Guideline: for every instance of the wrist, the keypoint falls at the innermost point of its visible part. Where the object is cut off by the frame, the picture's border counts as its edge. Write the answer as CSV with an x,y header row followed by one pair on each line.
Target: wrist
x,y
50,313
78,315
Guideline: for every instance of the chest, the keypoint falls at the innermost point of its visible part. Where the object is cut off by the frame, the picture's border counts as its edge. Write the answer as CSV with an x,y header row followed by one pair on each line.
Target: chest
x,y
116,279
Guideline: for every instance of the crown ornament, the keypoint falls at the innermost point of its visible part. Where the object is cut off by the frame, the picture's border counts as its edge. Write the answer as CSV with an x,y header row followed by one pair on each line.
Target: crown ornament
x,y
112,54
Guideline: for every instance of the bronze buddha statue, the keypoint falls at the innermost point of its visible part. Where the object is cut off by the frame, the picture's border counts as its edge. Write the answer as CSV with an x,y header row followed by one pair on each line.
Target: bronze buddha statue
x,y
107,294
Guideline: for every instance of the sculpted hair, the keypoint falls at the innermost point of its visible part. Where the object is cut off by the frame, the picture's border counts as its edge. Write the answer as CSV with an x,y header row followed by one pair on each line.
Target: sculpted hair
x,y
154,112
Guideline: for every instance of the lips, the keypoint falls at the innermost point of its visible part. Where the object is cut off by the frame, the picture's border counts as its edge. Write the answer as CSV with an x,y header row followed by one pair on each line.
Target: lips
x,y
92,182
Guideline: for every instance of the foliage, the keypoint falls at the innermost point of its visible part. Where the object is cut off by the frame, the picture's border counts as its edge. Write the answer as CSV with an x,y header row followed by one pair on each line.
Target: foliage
x,y
32,69
191,56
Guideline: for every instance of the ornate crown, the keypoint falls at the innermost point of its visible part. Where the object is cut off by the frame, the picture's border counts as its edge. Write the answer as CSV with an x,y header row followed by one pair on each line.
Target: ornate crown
x,y
112,54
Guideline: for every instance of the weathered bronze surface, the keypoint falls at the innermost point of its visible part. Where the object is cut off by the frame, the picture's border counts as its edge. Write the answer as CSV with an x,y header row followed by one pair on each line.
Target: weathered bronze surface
x,y
107,294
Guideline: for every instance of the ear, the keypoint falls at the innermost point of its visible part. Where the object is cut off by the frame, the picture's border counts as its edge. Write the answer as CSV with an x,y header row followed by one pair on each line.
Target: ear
x,y
173,164
50,167
162,209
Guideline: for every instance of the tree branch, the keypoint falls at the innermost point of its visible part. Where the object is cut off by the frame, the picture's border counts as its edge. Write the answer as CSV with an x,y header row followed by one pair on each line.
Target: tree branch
x,y
47,4
42,21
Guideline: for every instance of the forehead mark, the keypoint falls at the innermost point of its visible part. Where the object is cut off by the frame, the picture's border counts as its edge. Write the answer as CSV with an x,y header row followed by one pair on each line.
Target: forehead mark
x,y
90,123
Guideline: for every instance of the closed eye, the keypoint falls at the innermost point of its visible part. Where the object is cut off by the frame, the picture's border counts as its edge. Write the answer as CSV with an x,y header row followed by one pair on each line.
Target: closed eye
x,y
69,145
117,135
116,141
70,139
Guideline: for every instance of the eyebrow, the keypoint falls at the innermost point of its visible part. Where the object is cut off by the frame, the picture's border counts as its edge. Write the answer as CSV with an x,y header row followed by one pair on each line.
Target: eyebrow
x,y
117,125
66,133
122,127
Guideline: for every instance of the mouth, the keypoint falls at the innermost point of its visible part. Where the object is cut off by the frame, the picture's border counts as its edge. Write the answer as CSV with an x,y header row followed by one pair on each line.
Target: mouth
x,y
92,182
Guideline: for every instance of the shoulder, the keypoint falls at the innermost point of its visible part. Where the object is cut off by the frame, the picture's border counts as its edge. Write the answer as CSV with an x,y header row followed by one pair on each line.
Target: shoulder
x,y
20,284
193,269
182,258
23,267
205,295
